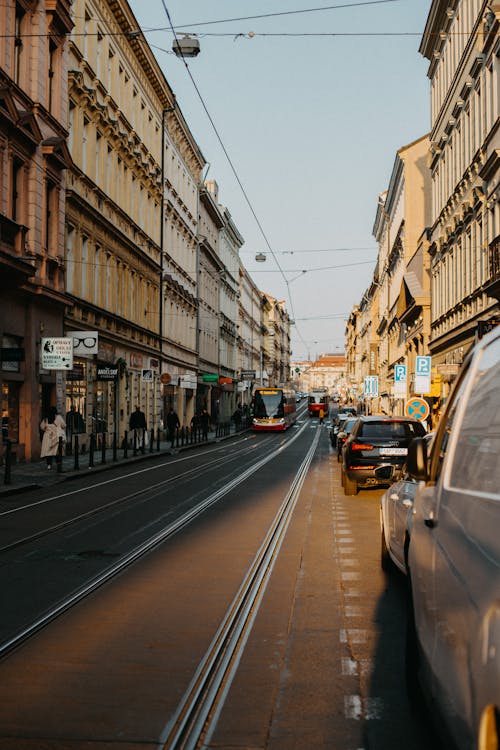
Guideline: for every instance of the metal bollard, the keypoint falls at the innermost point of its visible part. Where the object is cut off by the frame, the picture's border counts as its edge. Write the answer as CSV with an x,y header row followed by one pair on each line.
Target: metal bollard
x,y
91,450
151,440
135,443
143,441
103,447
158,440
59,455
76,453
8,462
115,456
125,445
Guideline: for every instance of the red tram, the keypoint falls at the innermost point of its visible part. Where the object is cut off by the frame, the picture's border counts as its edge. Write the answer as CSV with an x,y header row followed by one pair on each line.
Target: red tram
x,y
274,409
318,399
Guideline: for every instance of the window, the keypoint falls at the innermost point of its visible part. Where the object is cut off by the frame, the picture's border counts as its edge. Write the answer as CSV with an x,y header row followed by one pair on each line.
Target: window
x,y
475,463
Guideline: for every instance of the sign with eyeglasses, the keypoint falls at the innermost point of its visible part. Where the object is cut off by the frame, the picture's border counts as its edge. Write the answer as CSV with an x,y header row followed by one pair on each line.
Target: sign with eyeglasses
x,y
57,354
85,343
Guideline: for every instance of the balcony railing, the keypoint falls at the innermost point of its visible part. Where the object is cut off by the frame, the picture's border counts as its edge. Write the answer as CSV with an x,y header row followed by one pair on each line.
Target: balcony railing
x,y
12,235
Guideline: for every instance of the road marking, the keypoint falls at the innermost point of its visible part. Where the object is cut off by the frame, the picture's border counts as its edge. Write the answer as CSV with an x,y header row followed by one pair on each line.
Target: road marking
x,y
356,707
353,635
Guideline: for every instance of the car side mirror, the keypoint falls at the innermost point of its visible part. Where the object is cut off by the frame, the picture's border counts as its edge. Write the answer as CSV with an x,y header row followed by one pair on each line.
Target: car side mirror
x,y
416,463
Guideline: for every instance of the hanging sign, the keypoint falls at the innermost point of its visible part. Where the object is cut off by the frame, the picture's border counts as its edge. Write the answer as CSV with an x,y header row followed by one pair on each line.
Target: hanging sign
x,y
57,354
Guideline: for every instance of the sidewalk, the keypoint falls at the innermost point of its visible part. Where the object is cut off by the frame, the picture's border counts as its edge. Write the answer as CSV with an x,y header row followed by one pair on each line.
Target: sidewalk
x,y
25,476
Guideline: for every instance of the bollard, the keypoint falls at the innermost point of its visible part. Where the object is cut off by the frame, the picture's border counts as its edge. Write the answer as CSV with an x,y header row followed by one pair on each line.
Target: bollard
x,y
8,461
76,453
143,441
158,440
135,443
91,450
115,456
103,447
125,445
59,455
151,440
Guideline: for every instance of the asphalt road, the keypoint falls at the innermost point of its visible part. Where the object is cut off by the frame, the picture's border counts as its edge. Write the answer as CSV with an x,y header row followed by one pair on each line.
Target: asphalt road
x,y
320,663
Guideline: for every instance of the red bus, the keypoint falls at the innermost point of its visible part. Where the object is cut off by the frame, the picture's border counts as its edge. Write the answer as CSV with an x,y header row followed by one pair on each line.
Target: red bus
x,y
318,399
274,409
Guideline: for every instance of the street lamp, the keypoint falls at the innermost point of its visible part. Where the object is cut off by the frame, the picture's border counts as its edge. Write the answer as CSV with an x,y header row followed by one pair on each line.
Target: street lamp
x,y
186,46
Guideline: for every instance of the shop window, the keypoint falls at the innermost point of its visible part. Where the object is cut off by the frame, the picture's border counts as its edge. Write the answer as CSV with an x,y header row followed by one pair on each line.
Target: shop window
x,y
12,354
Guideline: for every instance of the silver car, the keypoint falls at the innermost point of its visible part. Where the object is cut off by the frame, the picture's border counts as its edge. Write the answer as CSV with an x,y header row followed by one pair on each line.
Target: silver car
x,y
396,506
454,558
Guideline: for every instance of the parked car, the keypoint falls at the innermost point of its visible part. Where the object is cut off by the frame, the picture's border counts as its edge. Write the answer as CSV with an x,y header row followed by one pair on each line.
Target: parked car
x,y
336,426
453,646
376,449
396,506
343,434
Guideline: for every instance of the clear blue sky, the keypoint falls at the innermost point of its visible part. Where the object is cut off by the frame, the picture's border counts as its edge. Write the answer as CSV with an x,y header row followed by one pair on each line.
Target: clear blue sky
x,y
312,125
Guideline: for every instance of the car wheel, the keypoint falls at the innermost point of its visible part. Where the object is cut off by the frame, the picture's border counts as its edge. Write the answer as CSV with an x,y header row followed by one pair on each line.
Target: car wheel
x,y
339,457
488,729
350,485
385,559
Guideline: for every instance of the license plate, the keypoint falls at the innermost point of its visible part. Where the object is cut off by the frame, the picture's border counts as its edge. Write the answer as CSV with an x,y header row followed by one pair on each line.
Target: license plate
x,y
393,451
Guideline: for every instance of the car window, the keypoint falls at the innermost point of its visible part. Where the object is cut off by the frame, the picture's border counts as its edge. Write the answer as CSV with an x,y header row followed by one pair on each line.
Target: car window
x,y
389,429
440,445
476,464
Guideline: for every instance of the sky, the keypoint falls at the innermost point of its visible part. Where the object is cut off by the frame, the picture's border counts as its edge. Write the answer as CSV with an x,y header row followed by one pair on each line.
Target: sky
x,y
306,112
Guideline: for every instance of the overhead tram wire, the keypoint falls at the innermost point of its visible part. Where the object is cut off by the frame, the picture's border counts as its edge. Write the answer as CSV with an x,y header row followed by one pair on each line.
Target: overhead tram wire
x,y
282,13
233,169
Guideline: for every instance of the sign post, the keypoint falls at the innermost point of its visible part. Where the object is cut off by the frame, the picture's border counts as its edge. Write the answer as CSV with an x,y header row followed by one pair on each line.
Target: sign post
x,y
422,374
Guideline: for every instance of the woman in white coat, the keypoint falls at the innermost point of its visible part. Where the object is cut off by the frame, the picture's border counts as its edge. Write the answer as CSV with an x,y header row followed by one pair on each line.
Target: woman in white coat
x,y
53,427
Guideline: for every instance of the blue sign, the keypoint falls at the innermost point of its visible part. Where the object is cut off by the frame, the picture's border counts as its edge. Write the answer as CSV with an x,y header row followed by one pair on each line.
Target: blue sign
x,y
400,373
370,385
423,366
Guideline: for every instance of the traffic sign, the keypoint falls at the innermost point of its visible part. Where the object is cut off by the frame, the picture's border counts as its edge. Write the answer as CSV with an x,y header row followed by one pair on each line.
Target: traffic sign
x,y
400,374
423,366
370,385
418,408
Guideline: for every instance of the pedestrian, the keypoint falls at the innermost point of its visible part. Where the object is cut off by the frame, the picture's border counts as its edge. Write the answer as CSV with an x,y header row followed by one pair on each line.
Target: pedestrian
x,y
138,425
173,424
74,423
321,415
53,427
237,417
205,423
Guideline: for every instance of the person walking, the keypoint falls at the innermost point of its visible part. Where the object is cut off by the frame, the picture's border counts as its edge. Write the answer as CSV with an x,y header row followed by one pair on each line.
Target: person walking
x,y
53,427
321,415
138,424
205,423
173,424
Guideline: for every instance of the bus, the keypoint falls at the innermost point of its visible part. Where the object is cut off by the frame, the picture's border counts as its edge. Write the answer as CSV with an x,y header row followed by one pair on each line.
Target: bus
x,y
274,409
318,399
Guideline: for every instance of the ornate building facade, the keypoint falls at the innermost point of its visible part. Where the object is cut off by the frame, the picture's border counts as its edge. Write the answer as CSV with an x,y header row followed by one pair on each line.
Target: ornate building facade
x,y
33,160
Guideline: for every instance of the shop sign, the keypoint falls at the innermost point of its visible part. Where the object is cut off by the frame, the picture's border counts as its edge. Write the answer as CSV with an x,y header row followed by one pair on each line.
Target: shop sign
x,y
165,378
188,380
154,364
209,377
225,381
249,374
107,372
147,376
57,354
85,343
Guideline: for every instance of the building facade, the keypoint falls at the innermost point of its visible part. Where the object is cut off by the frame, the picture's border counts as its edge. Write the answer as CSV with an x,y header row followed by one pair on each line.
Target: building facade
x,y
462,43
33,162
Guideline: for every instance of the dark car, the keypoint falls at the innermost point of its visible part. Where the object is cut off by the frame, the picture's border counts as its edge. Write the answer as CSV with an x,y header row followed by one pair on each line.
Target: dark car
x,y
376,450
337,425
343,433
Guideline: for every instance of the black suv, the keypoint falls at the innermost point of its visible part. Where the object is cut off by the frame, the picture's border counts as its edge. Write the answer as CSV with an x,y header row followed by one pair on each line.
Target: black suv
x,y
376,450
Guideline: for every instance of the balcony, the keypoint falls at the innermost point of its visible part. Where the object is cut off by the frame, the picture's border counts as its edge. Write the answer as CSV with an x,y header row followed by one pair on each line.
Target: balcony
x,y
492,286
15,269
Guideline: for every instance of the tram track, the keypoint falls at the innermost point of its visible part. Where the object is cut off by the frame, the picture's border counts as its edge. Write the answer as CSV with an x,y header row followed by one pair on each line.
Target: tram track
x,y
141,550
191,473
197,714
